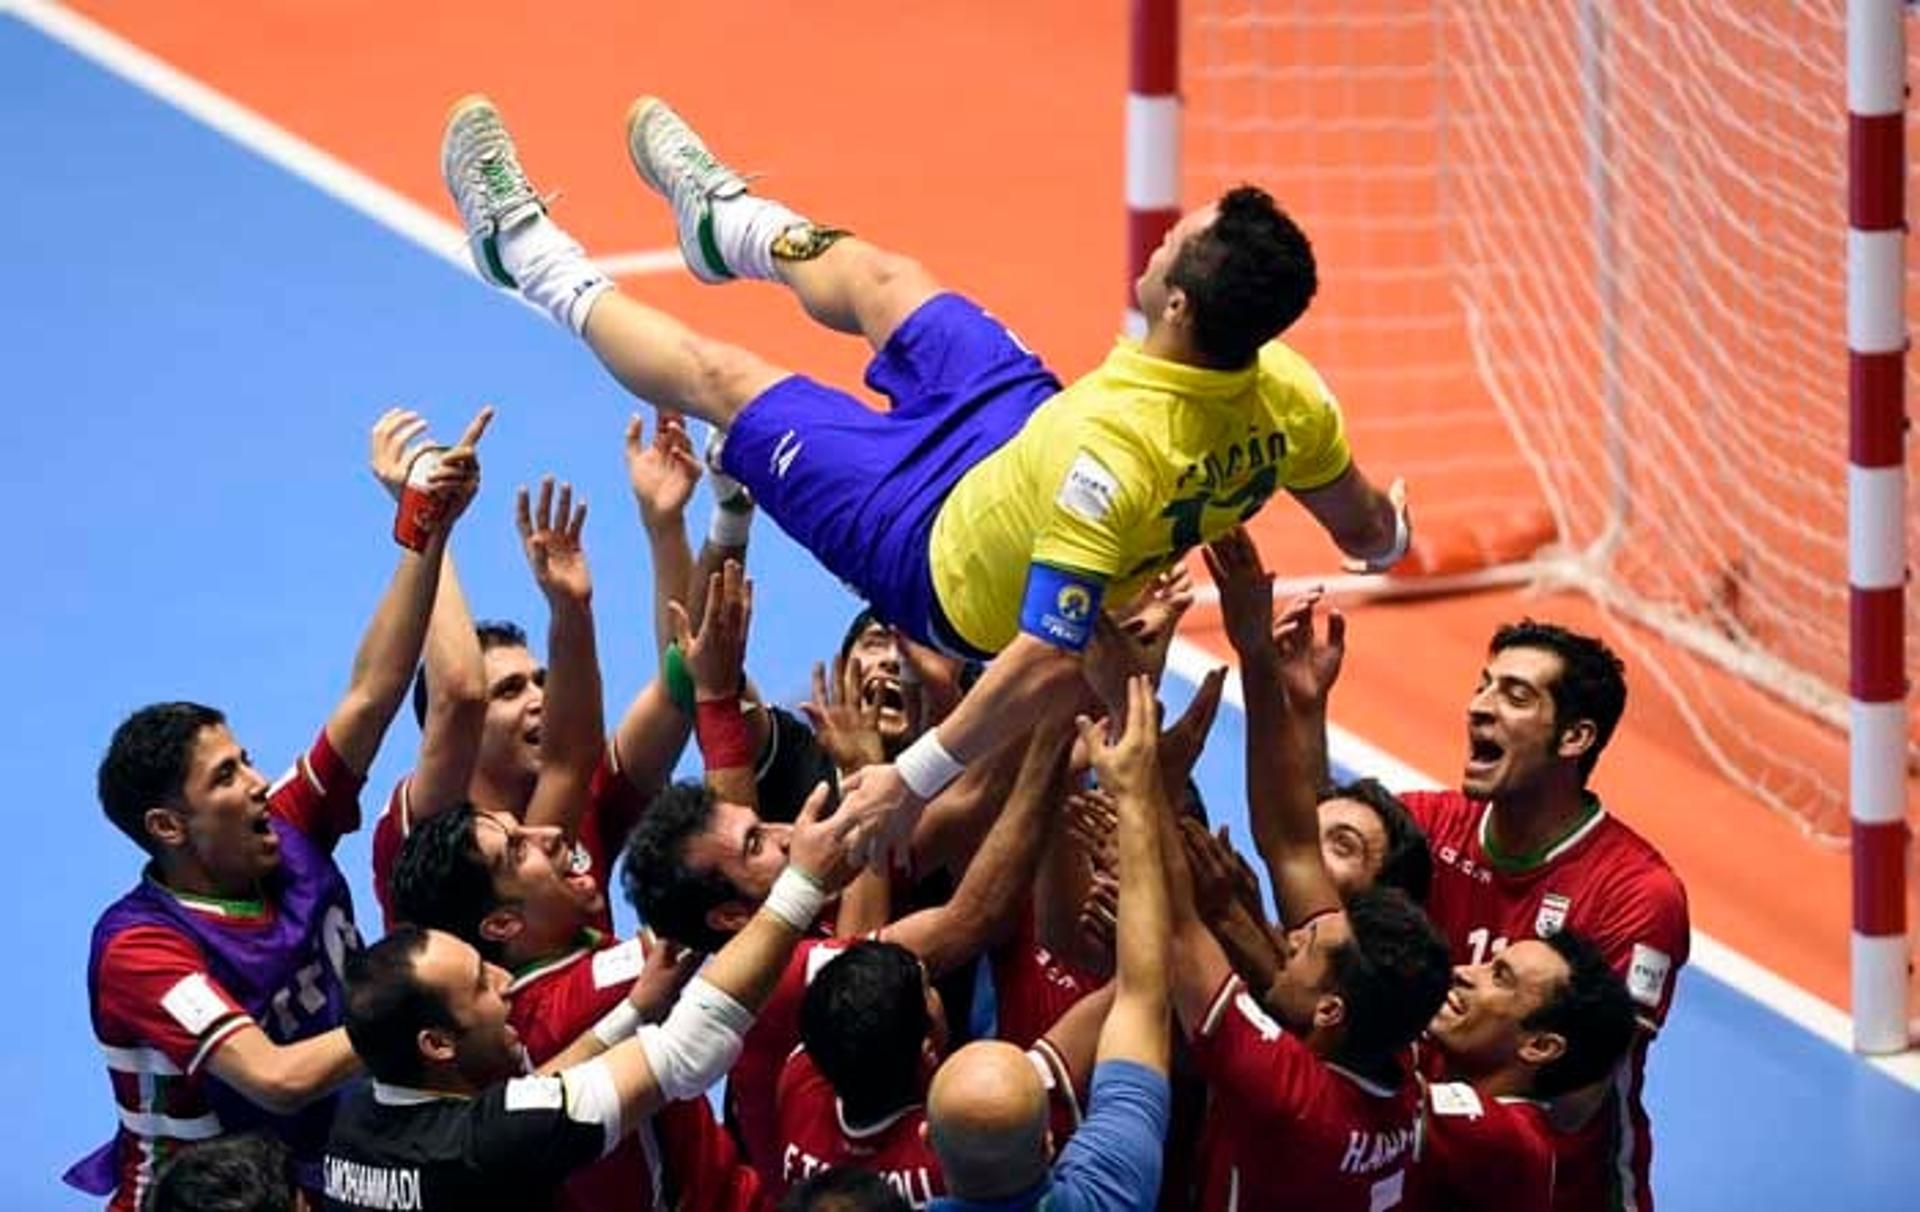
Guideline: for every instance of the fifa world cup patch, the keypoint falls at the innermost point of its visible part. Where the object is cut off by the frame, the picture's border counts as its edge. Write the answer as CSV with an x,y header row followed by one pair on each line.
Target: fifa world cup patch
x,y
1088,490
1647,974
804,241
194,1004
535,1094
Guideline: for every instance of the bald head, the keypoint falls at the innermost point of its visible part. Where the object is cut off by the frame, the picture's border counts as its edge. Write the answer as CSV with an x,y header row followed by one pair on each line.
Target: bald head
x,y
987,1119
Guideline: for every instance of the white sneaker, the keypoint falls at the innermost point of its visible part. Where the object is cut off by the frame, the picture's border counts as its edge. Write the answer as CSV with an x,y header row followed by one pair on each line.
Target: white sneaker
x,y
482,172
675,164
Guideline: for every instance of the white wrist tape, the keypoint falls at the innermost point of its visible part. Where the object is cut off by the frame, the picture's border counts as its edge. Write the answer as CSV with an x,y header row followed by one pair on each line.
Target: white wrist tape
x,y
795,898
698,1043
1402,539
617,1024
926,767
730,527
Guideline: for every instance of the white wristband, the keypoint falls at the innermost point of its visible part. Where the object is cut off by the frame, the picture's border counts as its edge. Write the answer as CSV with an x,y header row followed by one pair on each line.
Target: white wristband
x,y
795,898
617,1024
926,767
730,527
1402,539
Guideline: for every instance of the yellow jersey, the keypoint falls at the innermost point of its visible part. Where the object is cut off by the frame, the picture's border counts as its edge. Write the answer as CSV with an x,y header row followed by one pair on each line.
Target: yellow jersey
x,y
1118,476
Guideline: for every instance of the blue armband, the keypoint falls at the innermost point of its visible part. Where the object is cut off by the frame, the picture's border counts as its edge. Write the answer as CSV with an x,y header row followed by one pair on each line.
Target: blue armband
x,y
1060,606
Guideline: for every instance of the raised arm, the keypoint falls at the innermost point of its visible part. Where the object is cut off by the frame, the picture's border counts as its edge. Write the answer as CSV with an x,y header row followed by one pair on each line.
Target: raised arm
x,y
284,1077
994,888
663,473
1372,528
571,729
390,648
1281,796
716,658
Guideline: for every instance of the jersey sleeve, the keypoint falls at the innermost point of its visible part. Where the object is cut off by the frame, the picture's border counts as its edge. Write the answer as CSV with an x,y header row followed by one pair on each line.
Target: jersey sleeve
x,y
389,836
545,1126
1317,450
155,992
320,795
1646,941
1099,500
1250,1059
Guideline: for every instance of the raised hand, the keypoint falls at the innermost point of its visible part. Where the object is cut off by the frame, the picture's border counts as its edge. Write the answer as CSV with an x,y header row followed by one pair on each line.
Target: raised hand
x,y
1402,524
1222,881
663,472
1246,592
1092,820
1309,661
1128,764
550,533
457,478
1181,744
883,811
846,726
396,442
1153,617
822,847
716,655
665,971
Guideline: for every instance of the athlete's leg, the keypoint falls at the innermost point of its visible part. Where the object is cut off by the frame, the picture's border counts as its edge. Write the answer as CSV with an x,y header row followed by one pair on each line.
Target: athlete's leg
x,y
726,231
517,246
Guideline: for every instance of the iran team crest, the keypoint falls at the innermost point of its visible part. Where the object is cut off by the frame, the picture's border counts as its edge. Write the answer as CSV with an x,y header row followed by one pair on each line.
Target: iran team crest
x,y
1552,915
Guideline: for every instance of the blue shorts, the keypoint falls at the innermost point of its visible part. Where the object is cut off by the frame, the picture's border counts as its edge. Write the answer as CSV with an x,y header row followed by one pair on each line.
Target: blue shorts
x,y
859,488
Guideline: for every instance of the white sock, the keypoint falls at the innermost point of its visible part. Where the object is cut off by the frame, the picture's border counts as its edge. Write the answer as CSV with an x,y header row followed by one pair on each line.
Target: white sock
x,y
553,270
745,227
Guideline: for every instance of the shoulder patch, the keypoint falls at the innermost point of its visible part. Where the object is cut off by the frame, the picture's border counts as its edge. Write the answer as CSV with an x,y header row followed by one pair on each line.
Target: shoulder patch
x,y
536,1094
1455,1099
1088,490
1647,974
194,1004
819,957
1251,1011
618,965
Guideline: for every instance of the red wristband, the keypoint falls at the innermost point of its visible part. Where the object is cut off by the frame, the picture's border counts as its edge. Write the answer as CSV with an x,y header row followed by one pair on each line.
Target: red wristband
x,y
722,732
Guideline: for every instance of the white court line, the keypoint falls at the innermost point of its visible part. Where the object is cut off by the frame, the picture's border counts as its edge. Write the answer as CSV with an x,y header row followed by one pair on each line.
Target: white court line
x,y
443,239
1711,956
326,173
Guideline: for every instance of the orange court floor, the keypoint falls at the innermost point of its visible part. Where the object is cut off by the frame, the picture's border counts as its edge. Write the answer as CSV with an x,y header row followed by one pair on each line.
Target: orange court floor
x,y
987,140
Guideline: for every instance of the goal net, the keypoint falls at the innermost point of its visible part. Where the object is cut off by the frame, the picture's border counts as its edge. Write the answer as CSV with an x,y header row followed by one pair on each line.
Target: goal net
x,y
1585,288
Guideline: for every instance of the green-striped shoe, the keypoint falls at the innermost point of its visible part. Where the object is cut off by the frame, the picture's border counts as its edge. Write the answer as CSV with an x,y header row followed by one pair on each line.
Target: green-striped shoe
x,y
675,164
490,189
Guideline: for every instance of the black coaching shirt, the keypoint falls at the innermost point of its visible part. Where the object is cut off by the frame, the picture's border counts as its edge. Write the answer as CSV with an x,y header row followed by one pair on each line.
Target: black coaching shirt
x,y
403,1150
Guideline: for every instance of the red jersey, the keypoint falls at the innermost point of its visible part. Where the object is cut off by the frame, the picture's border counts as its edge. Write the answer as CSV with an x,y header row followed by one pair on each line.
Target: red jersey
x,y
1485,1153
160,1013
1032,986
1606,882
1286,1129
614,806
814,1135
754,1082
682,1158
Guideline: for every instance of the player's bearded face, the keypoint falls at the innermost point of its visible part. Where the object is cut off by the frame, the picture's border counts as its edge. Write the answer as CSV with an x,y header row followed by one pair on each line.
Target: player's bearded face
x,y
516,700
1353,844
1150,291
533,872
1511,729
224,808
1307,975
486,1049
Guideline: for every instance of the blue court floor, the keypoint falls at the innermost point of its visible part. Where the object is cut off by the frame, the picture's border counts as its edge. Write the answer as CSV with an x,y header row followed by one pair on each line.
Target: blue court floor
x,y
192,348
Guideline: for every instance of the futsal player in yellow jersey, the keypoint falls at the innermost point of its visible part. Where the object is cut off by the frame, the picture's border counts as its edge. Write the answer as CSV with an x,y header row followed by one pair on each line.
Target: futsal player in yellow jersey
x,y
989,512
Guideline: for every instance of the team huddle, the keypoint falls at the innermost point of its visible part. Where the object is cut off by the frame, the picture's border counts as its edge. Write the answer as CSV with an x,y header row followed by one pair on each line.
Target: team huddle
x,y
961,937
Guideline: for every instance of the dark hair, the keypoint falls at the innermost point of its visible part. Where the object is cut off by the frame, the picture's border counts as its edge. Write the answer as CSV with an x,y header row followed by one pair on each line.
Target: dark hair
x,y
864,1022
1592,684
1392,976
865,619
669,895
1407,864
1593,1012
441,880
247,1172
791,765
844,1189
1247,276
388,1007
493,633
146,763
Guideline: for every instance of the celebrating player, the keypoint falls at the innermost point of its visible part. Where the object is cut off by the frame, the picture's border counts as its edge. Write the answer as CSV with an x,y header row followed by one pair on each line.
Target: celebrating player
x,y
988,512
215,984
